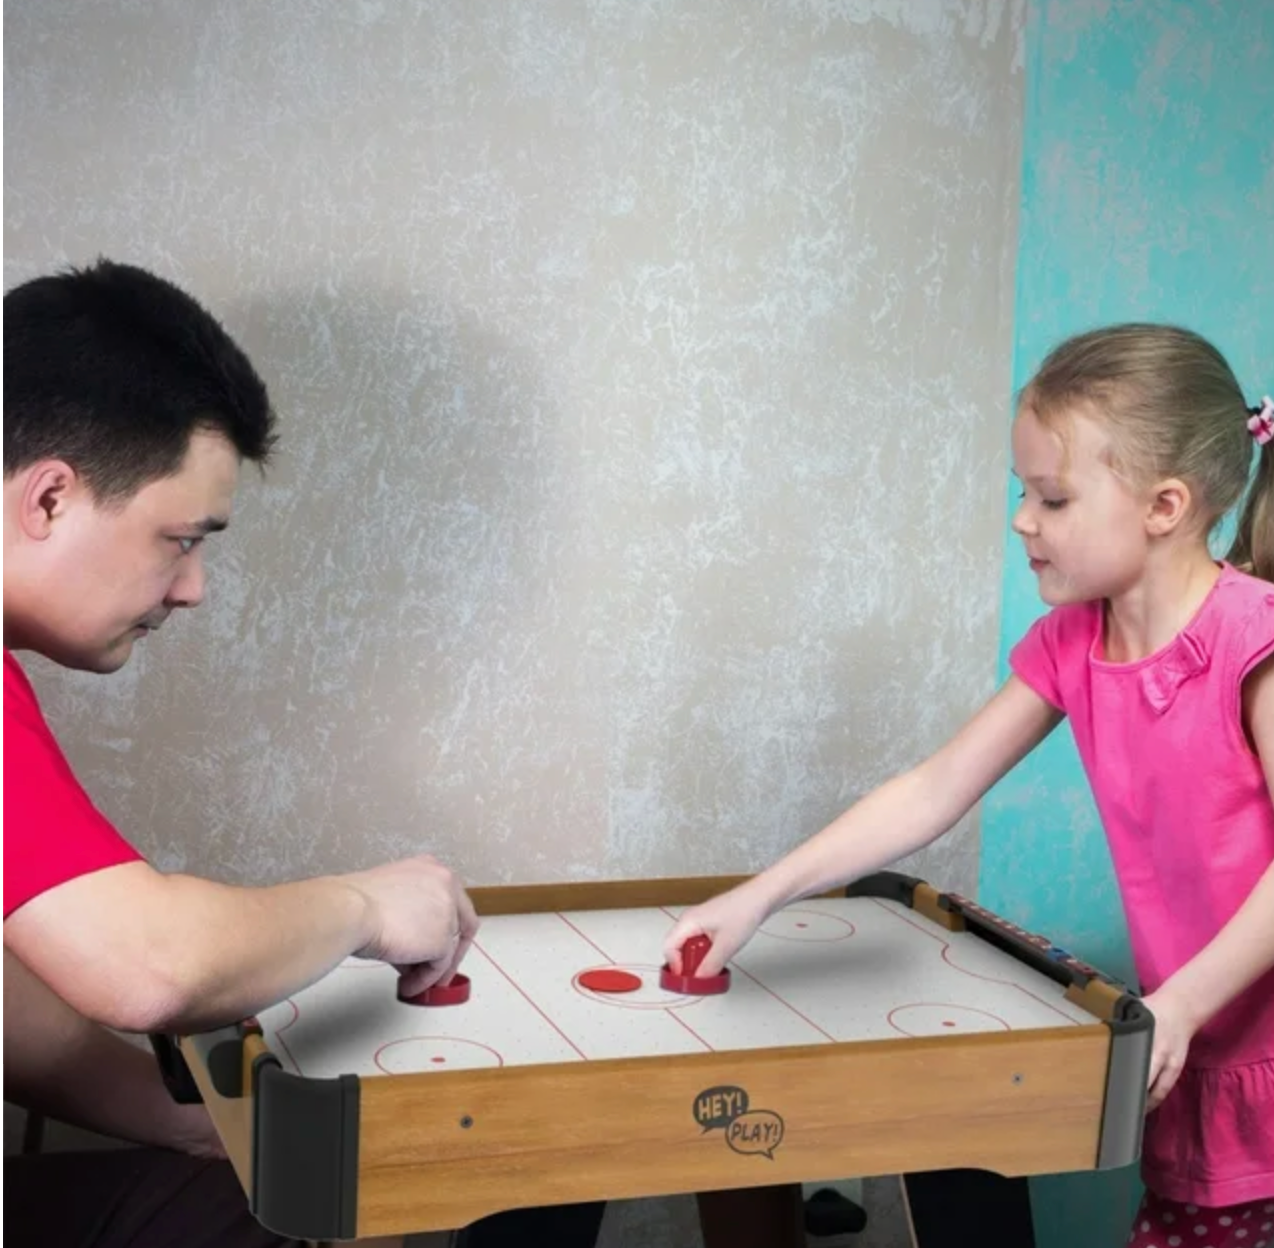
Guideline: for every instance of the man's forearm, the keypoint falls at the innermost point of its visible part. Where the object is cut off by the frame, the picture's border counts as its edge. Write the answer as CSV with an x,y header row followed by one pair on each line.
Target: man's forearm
x,y
249,947
58,1063
193,954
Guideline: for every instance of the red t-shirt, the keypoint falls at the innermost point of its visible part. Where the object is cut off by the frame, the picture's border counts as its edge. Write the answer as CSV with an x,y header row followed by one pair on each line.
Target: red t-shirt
x,y
52,831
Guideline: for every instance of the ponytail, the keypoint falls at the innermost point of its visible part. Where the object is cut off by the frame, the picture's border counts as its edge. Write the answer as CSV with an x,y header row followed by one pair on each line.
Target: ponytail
x,y
1253,549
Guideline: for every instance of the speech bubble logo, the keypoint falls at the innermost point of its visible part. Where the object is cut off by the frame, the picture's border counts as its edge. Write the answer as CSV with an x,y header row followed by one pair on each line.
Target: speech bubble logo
x,y
760,1131
720,1106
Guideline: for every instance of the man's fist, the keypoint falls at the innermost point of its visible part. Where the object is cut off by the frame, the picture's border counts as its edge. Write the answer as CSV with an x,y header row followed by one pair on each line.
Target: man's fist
x,y
423,920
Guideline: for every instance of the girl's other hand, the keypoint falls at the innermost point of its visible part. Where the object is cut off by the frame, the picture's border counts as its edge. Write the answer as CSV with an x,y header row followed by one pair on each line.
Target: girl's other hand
x,y
729,921
1174,1029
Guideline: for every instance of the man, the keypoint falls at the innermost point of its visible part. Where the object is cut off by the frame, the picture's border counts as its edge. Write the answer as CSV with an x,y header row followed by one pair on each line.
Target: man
x,y
127,414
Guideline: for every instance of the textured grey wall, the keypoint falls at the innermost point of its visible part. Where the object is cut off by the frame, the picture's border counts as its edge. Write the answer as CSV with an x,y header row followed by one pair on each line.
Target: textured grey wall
x,y
643,371
643,376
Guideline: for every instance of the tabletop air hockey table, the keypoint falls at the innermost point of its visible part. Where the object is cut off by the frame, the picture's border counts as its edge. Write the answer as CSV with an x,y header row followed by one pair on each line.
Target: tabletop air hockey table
x,y
887,1030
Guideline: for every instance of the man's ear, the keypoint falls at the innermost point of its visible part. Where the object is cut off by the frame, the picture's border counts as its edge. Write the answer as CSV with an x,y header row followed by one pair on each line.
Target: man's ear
x,y
1169,505
45,490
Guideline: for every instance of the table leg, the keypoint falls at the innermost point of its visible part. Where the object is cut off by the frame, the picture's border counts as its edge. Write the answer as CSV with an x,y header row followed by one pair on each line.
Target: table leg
x,y
381,1241
33,1133
753,1217
968,1209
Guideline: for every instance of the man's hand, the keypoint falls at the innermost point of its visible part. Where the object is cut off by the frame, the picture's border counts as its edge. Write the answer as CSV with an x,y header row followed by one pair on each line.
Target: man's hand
x,y
423,921
228,952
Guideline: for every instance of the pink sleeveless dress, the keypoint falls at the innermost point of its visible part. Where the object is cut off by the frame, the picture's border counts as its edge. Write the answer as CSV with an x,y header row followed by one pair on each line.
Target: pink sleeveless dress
x,y
1190,822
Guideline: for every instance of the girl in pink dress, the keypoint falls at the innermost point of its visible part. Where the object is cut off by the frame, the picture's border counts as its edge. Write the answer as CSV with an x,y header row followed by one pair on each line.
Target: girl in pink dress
x,y
1131,443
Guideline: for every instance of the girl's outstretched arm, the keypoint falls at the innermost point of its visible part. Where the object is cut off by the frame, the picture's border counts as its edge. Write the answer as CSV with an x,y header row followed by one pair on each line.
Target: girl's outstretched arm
x,y
902,815
1241,952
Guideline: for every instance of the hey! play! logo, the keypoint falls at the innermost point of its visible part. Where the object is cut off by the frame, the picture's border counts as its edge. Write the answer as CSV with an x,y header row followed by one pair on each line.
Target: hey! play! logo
x,y
746,1130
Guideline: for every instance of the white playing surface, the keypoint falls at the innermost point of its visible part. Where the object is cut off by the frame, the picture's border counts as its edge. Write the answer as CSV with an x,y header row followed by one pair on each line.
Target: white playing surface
x,y
820,971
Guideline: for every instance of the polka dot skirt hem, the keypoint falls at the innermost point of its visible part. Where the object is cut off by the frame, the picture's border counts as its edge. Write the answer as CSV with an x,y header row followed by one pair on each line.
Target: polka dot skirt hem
x,y
1167,1224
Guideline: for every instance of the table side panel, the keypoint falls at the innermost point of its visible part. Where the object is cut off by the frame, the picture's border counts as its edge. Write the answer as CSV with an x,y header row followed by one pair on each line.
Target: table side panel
x,y
1015,1103
232,1116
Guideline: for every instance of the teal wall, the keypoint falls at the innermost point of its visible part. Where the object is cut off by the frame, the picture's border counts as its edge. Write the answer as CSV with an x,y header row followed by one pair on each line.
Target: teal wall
x,y
1147,193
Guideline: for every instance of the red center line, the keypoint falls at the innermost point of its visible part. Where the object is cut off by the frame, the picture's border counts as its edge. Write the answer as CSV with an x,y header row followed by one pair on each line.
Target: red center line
x,y
517,988
672,1013
803,1017
766,988
584,938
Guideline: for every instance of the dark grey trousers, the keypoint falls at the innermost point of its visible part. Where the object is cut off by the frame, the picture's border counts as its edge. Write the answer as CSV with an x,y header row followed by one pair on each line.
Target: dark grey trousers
x,y
153,1198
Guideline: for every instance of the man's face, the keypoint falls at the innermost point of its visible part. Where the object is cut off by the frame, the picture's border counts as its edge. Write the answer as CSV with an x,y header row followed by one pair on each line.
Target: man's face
x,y
98,578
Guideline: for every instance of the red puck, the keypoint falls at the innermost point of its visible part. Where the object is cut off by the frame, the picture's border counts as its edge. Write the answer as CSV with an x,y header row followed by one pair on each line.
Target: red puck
x,y
694,985
609,979
693,953
454,993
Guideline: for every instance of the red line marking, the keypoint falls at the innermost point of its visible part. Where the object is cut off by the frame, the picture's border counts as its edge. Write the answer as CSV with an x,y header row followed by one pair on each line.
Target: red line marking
x,y
585,938
803,1017
526,997
278,1035
766,988
429,1040
987,979
848,924
671,1011
590,995
924,931
667,1009
623,1001
908,920
940,1006
1048,1005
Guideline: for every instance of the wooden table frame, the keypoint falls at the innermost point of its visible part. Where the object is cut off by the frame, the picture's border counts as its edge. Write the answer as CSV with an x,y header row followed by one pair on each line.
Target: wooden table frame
x,y
351,1157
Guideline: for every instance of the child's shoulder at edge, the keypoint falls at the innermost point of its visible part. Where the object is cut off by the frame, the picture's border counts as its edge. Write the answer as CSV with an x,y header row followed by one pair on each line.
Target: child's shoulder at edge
x,y
1241,592
1071,624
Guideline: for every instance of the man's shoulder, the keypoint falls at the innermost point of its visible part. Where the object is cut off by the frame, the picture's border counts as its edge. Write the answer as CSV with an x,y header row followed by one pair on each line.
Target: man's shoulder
x,y
14,676
20,702
19,694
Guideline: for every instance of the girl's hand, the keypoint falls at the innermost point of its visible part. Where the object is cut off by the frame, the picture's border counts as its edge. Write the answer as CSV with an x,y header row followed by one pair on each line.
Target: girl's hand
x,y
1174,1029
729,921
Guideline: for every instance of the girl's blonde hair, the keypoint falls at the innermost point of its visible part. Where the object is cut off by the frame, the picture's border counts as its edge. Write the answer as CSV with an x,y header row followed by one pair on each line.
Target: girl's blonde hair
x,y
1173,408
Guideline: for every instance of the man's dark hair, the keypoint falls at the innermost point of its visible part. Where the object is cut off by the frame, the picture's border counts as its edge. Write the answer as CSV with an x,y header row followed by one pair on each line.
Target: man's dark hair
x,y
111,369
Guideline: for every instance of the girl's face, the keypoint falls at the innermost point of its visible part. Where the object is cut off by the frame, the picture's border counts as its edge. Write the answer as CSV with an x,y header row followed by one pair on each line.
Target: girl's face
x,y
1083,526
